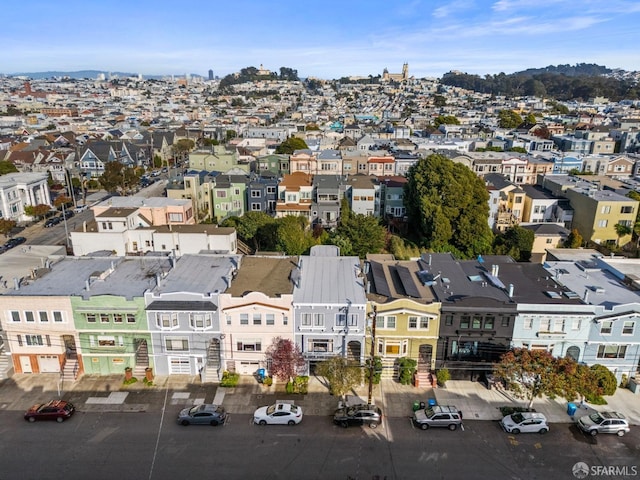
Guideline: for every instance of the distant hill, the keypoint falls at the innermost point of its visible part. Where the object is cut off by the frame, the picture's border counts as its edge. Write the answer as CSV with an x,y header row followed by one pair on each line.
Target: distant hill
x,y
563,82
86,74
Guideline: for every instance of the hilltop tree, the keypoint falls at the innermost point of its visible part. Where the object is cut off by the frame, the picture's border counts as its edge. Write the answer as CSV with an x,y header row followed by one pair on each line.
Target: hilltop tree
x,y
341,373
448,206
284,358
290,145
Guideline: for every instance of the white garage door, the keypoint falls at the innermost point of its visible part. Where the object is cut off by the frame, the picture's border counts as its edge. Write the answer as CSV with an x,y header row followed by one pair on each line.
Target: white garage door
x,y
248,368
49,363
178,365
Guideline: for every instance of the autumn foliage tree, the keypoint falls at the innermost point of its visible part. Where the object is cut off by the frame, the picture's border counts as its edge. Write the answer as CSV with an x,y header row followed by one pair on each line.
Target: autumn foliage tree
x,y
6,226
285,359
530,374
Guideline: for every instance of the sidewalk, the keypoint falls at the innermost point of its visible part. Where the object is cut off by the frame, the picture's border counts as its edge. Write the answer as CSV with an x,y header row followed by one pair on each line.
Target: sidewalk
x,y
108,394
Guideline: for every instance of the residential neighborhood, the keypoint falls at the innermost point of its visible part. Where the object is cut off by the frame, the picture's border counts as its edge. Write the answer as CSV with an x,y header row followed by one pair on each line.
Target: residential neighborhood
x,y
181,266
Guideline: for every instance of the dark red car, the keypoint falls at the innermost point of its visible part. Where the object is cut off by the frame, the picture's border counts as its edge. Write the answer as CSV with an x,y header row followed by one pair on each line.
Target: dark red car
x,y
57,410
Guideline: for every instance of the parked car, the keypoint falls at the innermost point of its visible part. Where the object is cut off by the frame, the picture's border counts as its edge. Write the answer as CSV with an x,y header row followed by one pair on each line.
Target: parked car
x,y
53,221
68,214
203,414
14,242
362,414
438,416
278,414
604,422
525,422
57,410
80,208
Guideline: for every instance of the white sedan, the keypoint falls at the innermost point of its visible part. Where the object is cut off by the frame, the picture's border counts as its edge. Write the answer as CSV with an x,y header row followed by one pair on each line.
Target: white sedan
x,y
278,414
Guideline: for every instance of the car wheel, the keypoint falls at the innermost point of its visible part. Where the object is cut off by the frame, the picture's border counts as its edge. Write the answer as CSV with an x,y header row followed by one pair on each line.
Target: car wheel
x,y
262,422
184,423
344,424
593,432
60,419
543,431
32,419
621,433
452,427
424,426
515,431
291,422
373,425
214,423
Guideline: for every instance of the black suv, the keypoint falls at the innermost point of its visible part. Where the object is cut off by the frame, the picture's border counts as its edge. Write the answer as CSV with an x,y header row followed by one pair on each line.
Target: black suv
x,y
362,414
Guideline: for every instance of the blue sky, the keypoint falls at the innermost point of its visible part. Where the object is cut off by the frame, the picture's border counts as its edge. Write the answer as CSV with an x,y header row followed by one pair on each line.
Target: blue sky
x,y
326,39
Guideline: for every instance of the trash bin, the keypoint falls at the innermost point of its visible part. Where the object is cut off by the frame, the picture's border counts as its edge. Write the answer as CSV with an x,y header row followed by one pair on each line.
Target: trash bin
x,y
416,406
422,406
261,373
571,409
432,402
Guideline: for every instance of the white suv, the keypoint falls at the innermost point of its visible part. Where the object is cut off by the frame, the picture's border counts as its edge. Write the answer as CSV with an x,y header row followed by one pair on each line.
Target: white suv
x,y
525,422
438,416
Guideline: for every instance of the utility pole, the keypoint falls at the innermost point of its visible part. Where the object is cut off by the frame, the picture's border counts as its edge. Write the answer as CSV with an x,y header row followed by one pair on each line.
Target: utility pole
x,y
372,358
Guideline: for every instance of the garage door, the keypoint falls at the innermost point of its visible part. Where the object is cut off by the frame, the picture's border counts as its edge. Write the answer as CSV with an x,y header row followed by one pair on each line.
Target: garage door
x,y
248,368
178,365
49,363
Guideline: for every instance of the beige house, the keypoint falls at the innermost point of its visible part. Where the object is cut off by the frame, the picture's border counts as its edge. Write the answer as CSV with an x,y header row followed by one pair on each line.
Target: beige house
x,y
255,310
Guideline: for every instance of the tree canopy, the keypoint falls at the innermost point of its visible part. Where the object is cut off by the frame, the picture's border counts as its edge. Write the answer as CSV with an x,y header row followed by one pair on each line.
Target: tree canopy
x,y
445,120
117,176
508,119
341,373
6,226
448,206
359,234
516,242
290,145
7,167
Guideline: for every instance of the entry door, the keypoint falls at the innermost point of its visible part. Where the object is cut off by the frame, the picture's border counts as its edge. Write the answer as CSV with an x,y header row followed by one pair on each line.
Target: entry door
x,y
25,364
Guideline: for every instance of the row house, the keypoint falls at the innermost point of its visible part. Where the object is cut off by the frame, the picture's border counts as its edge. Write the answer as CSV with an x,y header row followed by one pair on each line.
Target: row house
x,y
228,196
94,156
295,194
330,306
363,194
304,161
612,335
203,314
262,193
407,316
328,192
612,166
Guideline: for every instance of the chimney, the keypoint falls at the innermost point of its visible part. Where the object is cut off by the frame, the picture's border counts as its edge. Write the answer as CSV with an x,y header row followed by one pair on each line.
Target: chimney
x,y
157,279
86,285
84,226
511,290
16,283
586,295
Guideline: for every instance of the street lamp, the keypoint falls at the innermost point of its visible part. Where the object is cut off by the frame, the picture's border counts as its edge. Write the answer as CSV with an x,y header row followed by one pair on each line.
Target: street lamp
x,y
373,315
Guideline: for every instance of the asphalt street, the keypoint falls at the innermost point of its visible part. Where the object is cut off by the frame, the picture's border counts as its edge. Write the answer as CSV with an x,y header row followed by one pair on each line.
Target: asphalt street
x,y
152,446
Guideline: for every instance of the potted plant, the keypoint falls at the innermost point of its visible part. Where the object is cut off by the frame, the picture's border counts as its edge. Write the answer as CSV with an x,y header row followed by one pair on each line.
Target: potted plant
x,y
267,381
443,376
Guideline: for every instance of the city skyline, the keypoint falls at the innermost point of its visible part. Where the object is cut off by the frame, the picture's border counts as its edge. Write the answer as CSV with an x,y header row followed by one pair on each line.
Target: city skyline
x,y
339,39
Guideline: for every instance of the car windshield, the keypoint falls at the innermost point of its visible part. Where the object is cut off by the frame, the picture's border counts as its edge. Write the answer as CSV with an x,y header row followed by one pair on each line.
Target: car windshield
x,y
195,409
271,409
293,408
596,418
517,417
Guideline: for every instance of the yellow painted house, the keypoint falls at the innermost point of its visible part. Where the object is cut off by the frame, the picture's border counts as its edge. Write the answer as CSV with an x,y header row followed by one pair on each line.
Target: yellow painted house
x,y
407,319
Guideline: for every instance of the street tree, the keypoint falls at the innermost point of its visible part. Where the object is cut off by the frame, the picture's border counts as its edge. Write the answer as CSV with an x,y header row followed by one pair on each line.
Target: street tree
x,y
448,206
62,200
508,119
530,374
6,226
37,211
284,359
290,145
182,147
118,177
341,373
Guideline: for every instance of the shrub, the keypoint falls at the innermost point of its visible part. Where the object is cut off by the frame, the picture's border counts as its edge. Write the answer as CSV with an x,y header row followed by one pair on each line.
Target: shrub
x,y
130,381
607,382
406,367
443,376
300,384
229,379
267,381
